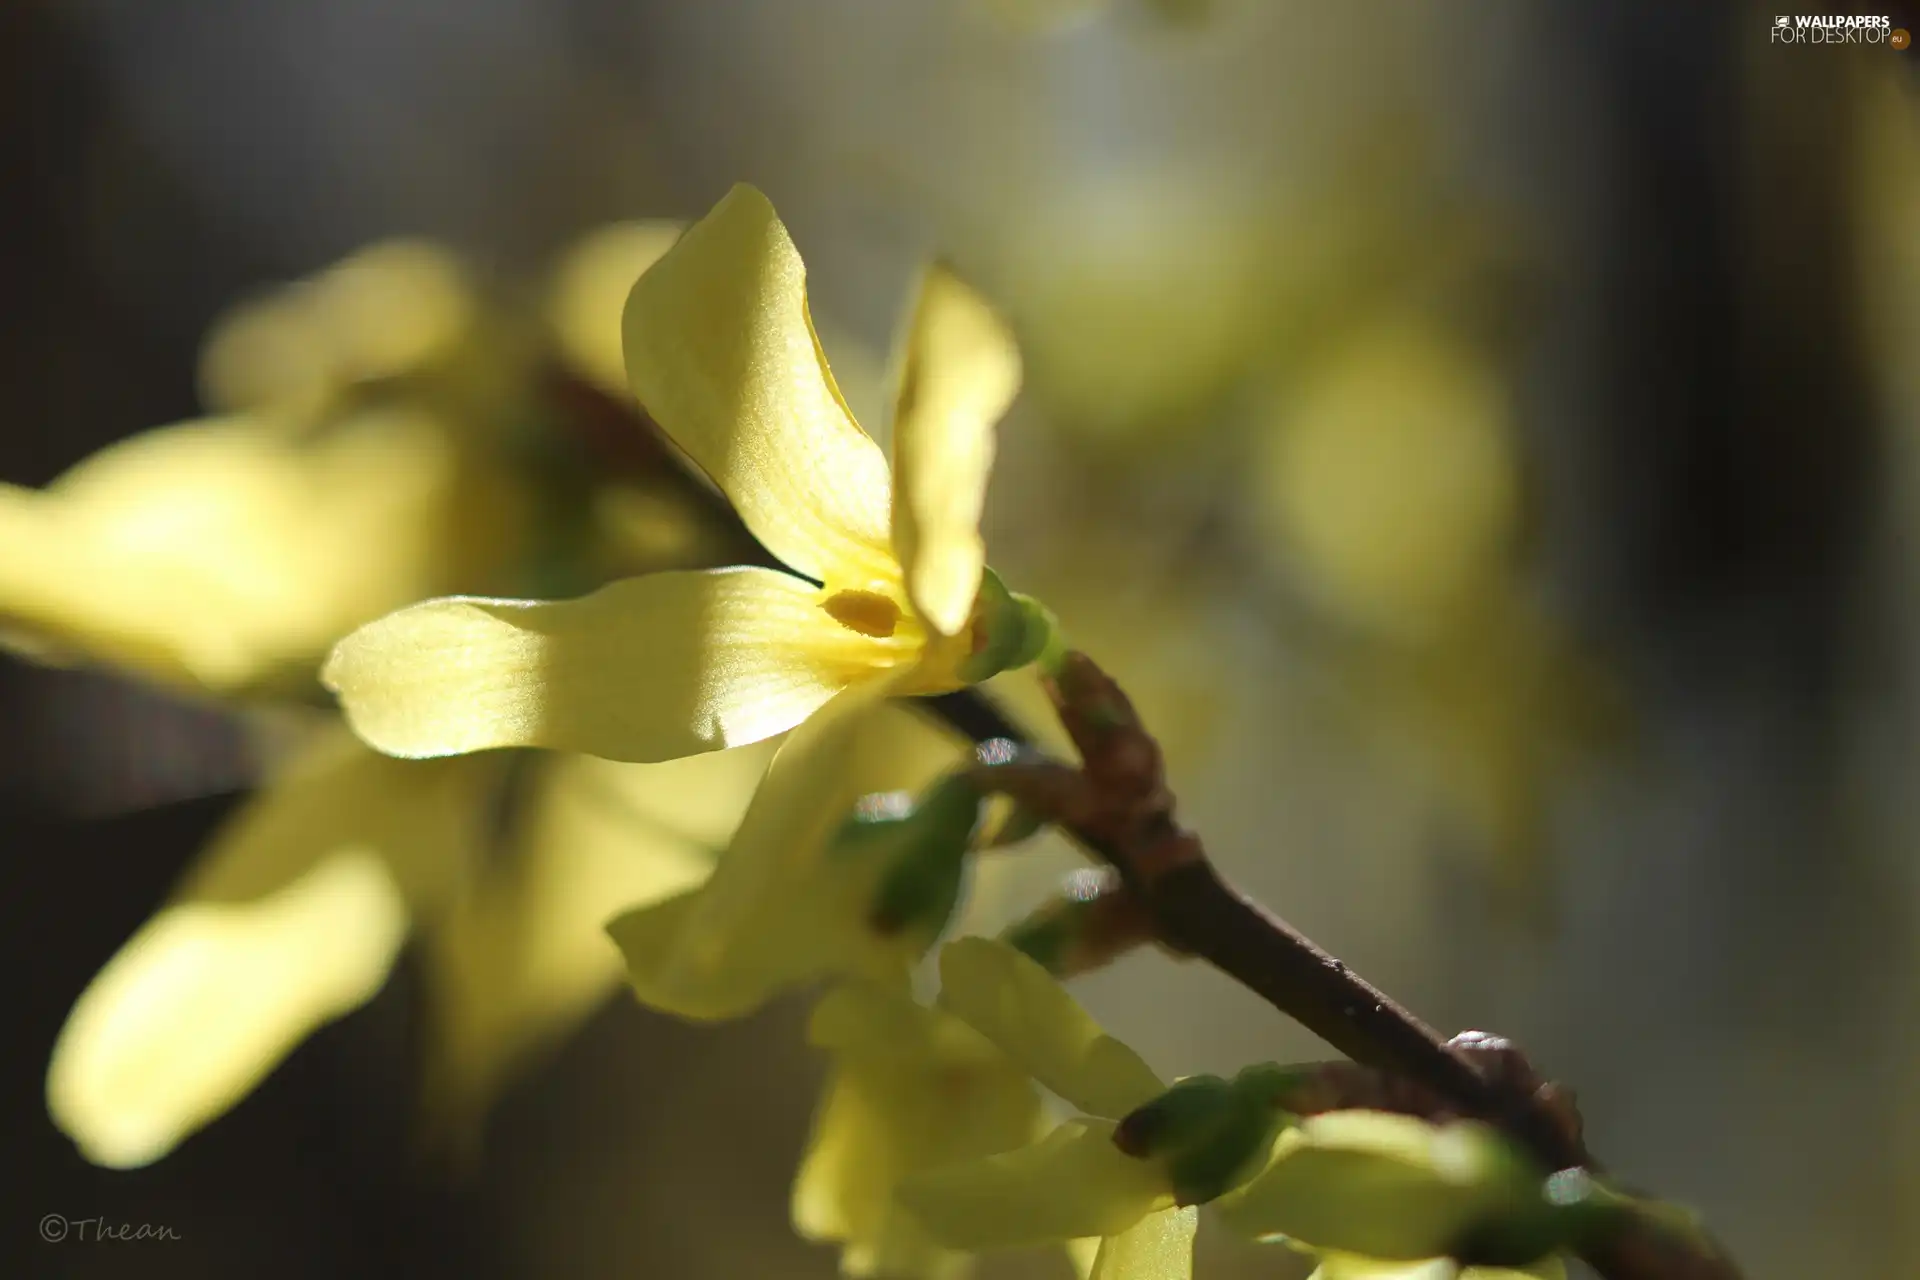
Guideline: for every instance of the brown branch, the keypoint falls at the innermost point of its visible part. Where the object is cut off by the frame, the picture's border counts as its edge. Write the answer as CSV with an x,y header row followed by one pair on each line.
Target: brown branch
x,y
1117,804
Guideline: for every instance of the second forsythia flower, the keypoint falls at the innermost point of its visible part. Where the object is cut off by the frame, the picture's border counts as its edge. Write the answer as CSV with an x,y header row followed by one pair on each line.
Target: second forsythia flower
x,y
801,894
911,1088
1075,1183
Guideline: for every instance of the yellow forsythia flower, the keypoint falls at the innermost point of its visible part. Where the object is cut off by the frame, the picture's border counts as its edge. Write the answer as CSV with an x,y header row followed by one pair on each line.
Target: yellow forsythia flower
x,y
912,1088
296,912
224,558
883,579
519,957
784,906
384,311
223,555
1395,1189
1074,1183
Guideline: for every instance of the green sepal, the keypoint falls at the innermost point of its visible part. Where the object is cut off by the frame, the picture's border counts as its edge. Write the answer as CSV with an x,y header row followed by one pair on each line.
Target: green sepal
x,y
1174,1120
1041,638
926,865
1046,936
1572,1208
1010,630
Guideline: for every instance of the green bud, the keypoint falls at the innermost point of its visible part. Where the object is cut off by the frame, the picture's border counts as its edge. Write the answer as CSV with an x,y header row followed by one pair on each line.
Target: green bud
x,y
1571,1209
1010,630
1271,1083
1047,936
1211,1134
1090,921
923,847
1175,1119
1041,639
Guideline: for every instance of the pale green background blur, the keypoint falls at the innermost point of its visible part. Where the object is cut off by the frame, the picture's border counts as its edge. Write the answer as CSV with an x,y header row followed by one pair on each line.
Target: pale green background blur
x,y
1483,439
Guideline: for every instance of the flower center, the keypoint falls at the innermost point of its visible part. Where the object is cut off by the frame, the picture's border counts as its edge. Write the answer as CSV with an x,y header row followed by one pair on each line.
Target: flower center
x,y
868,612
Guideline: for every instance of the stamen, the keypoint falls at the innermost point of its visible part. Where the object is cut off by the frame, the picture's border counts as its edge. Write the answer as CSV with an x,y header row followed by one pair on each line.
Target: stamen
x,y
868,612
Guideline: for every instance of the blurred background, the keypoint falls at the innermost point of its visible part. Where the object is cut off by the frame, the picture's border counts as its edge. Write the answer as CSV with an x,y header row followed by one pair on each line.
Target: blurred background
x,y
1486,442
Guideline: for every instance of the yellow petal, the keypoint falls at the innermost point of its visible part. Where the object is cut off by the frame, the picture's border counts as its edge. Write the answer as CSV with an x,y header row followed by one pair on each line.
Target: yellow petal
x,y
843,1187
291,918
961,371
51,611
206,998
425,818
644,669
267,353
217,554
1388,1186
1071,1184
391,307
912,1089
383,311
1082,1254
1344,1266
721,351
771,915
1021,1008
521,958
590,289
1158,1247
880,1025
649,939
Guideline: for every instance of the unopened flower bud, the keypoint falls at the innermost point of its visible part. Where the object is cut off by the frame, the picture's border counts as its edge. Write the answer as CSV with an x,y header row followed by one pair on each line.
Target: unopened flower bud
x,y
1009,630
926,846
1211,1134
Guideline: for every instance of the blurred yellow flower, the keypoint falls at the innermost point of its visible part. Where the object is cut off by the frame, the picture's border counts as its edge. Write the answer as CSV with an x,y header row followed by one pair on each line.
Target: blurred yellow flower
x,y
383,311
520,956
295,913
1075,1183
1390,489
224,558
292,916
221,556
911,1088
589,290
1140,297
1390,486
883,584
